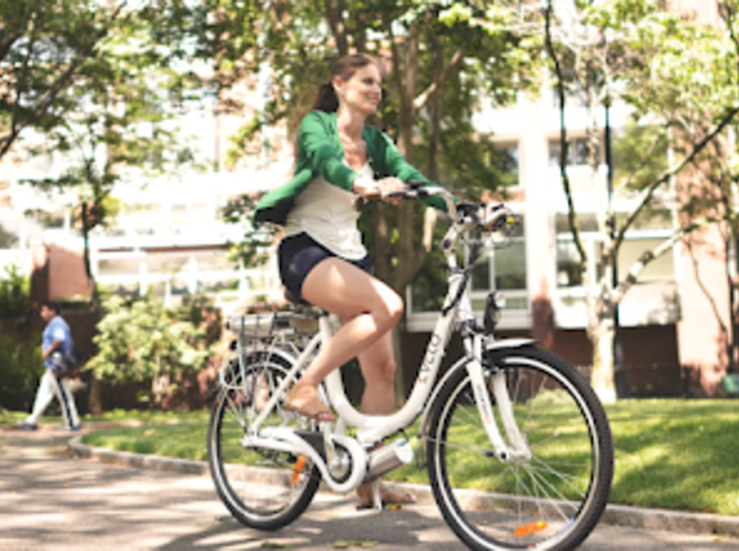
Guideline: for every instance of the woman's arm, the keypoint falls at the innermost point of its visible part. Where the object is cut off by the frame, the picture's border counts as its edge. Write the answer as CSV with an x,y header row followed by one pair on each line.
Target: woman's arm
x,y
317,147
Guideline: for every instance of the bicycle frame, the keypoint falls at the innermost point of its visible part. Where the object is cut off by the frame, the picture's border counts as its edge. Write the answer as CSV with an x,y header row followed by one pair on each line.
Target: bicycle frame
x,y
373,428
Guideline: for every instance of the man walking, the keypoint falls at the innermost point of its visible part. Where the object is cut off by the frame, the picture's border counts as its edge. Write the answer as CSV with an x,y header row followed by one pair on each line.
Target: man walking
x,y
56,340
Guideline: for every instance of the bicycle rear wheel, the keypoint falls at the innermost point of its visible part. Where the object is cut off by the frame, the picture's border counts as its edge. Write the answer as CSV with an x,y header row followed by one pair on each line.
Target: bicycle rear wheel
x,y
263,489
552,500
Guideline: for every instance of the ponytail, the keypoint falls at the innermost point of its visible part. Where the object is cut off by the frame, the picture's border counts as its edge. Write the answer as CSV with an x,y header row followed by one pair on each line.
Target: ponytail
x,y
326,100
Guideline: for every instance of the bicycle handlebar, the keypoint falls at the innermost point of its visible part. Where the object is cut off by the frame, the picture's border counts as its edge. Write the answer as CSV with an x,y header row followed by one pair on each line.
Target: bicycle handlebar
x,y
494,217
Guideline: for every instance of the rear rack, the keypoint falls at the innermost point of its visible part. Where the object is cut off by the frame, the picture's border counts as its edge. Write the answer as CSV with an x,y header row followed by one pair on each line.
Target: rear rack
x,y
264,325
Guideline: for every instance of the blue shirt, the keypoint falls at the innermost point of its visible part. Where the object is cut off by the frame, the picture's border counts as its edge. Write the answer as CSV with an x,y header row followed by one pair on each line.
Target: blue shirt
x,y
56,330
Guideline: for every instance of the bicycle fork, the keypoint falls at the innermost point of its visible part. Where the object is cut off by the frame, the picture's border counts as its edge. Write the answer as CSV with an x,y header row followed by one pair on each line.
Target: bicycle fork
x,y
517,449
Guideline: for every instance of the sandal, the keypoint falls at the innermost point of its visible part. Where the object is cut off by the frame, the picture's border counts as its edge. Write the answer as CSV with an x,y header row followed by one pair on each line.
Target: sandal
x,y
309,403
389,496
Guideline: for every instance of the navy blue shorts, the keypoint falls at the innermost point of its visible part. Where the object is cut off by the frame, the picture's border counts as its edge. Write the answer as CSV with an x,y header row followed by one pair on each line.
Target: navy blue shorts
x,y
299,254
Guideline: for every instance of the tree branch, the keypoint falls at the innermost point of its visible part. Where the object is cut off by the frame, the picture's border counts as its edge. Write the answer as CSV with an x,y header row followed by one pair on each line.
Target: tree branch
x,y
707,293
437,86
649,193
397,75
6,43
41,106
21,84
563,153
334,15
649,256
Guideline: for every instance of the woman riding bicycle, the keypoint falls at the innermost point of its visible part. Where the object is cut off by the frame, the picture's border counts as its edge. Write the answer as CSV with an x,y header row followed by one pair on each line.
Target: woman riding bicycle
x,y
321,258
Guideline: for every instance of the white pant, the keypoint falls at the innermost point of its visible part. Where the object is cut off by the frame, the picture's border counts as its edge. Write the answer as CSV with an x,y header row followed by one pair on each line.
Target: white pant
x,y
49,387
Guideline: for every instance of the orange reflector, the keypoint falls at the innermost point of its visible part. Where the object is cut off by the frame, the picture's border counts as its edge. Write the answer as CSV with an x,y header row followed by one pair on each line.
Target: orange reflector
x,y
297,469
528,529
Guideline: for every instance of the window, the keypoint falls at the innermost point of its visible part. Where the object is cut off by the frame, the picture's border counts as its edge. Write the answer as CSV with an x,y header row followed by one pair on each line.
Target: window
x,y
578,152
503,269
212,261
639,241
167,263
505,159
568,265
659,269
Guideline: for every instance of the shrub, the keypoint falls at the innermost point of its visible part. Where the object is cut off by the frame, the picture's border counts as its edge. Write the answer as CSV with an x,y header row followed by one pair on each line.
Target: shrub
x,y
142,341
21,367
15,290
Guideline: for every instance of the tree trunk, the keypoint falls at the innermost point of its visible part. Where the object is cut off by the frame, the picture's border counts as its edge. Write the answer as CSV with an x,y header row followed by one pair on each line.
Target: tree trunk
x,y
734,309
95,396
602,381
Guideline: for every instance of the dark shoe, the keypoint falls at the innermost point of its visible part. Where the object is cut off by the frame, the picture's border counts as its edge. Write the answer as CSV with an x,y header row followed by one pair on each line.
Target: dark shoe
x,y
76,428
26,426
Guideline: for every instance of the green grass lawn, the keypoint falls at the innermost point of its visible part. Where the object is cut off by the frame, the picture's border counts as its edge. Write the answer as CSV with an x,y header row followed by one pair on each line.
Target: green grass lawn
x,y
674,454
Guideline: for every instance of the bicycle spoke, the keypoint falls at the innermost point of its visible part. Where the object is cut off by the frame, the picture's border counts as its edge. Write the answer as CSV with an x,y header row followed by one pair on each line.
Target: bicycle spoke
x,y
262,487
543,499
564,477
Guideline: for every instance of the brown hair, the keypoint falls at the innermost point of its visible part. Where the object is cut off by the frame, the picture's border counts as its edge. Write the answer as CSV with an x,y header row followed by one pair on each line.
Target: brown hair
x,y
344,67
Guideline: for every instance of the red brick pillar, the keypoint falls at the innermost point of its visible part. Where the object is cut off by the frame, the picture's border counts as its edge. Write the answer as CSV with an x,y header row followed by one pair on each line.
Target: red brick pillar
x,y
704,305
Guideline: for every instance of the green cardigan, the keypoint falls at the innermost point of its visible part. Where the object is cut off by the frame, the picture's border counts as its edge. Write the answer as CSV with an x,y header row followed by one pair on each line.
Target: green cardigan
x,y
320,154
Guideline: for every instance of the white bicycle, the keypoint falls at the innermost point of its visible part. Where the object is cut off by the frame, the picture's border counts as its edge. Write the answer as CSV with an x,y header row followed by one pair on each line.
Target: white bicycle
x,y
518,447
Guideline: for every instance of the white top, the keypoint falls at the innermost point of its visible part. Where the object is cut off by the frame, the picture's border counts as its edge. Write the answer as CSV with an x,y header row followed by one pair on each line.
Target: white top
x,y
327,214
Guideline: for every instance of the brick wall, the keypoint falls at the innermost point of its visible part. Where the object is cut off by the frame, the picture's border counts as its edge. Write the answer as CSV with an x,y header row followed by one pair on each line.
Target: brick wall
x,y
67,276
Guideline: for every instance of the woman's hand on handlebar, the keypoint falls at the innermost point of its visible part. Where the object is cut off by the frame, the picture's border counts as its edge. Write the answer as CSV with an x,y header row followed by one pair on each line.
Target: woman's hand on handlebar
x,y
388,186
379,189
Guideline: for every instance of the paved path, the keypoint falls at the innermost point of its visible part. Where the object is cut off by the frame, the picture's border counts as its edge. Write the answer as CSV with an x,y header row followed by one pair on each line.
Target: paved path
x,y
52,501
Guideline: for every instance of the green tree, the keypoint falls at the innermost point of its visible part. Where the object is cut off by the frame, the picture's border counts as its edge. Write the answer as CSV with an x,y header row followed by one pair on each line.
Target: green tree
x,y
49,50
716,172
111,117
21,366
253,250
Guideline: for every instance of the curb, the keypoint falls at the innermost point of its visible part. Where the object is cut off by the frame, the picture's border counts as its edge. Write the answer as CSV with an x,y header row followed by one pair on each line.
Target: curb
x,y
137,460
620,515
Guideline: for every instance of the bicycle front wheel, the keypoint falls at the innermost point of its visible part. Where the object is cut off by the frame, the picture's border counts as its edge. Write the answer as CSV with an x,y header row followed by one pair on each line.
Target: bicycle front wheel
x,y
551,500
263,488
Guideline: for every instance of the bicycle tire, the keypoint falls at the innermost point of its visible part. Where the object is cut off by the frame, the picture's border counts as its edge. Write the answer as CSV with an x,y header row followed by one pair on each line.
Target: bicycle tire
x,y
551,501
263,489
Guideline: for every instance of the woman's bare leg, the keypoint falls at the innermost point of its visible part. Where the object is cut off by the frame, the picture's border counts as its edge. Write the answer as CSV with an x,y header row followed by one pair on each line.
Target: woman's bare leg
x,y
378,369
367,307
